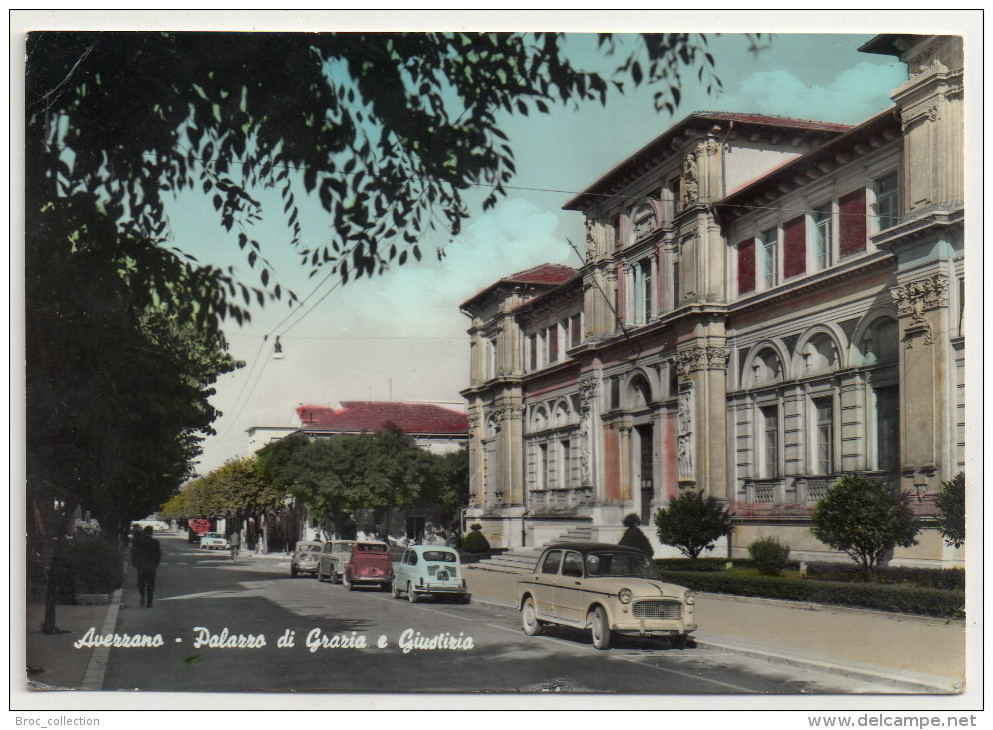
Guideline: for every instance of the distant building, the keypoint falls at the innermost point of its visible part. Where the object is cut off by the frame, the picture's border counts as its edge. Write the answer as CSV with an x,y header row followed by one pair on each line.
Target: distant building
x,y
765,304
433,428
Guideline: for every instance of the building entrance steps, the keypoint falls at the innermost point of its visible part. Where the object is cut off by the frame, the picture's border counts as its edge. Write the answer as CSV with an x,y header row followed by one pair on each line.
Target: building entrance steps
x,y
525,559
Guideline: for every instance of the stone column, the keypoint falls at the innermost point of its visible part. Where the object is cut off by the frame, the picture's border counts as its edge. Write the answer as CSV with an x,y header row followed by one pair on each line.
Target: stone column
x,y
625,458
922,305
702,428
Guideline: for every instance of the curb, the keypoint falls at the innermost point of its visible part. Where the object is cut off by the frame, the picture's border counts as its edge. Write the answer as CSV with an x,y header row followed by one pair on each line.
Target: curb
x,y
95,670
832,608
866,675
876,676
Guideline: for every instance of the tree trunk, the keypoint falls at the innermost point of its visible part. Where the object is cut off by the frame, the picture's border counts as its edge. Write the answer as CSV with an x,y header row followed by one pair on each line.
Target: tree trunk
x,y
52,584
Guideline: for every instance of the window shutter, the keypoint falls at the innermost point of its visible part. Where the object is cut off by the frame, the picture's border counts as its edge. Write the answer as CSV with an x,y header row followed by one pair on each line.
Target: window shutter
x,y
746,266
795,261
852,208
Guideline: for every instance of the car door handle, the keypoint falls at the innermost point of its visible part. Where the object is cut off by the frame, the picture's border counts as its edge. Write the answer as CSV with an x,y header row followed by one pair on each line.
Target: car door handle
x,y
578,583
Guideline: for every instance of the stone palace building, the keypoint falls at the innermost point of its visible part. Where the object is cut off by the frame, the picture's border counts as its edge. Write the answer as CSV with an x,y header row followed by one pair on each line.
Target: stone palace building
x,y
765,304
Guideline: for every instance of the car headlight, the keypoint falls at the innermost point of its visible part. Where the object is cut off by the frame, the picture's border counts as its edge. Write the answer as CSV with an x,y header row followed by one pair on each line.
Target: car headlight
x,y
625,595
689,597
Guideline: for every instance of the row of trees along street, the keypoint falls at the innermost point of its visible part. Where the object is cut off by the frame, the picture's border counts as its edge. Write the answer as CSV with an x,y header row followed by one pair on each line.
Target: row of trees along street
x,y
384,132
334,478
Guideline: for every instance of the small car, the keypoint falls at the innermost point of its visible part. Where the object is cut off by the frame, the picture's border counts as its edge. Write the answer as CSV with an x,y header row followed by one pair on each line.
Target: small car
x,y
305,555
608,589
429,570
333,559
369,564
213,541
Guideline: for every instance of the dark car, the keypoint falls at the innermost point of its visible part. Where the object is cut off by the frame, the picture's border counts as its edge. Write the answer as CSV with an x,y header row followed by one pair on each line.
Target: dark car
x,y
370,564
305,556
608,589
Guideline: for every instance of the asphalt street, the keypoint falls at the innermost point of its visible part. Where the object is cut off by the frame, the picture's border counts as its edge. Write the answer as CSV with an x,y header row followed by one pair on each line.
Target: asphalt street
x,y
367,641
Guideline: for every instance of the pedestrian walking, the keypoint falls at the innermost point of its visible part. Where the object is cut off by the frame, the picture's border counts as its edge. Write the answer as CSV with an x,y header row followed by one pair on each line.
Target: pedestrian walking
x,y
145,557
235,542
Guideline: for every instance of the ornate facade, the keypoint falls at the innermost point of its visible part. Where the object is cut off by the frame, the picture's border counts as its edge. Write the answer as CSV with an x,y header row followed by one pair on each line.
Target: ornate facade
x,y
764,304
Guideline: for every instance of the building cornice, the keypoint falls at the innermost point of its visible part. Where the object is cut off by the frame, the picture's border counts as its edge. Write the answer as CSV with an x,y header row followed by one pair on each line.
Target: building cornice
x,y
921,223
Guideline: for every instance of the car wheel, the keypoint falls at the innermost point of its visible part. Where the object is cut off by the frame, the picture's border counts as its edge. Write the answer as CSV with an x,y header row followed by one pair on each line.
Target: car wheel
x,y
334,576
320,575
678,642
293,571
599,628
348,582
385,586
529,617
396,590
411,596
465,599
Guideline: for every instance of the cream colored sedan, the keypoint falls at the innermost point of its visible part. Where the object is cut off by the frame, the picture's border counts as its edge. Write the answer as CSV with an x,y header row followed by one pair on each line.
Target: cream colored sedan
x,y
608,589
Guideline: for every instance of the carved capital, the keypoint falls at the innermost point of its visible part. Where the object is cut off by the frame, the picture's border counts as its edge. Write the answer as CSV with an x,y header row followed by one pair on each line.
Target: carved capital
x,y
916,297
701,358
589,389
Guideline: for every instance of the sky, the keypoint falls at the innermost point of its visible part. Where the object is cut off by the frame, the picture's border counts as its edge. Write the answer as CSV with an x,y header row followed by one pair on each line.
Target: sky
x,y
401,336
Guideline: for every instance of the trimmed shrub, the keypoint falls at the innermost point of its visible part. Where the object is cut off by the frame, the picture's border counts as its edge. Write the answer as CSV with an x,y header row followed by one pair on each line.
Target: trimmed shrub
x,y
951,511
770,555
881,597
702,565
634,537
948,579
692,523
475,541
91,566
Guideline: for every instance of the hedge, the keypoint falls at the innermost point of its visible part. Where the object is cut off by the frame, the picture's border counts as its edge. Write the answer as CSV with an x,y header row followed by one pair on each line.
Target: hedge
x,y
882,597
949,579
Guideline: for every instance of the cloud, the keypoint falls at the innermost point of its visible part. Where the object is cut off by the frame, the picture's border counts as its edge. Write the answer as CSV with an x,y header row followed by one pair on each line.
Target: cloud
x,y
854,95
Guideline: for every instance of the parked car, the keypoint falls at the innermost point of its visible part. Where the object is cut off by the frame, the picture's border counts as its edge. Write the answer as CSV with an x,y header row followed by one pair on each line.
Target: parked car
x,y
369,564
429,570
197,528
213,541
608,589
333,559
305,556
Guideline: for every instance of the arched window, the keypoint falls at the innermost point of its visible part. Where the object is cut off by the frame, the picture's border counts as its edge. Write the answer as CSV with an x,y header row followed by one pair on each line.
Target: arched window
x,y
880,342
767,368
820,355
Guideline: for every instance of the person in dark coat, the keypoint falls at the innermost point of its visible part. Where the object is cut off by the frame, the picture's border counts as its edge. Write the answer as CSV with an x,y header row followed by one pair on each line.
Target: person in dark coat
x,y
145,557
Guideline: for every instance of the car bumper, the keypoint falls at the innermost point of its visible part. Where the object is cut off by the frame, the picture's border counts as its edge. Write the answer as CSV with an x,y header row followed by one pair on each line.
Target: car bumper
x,y
649,627
449,588
376,579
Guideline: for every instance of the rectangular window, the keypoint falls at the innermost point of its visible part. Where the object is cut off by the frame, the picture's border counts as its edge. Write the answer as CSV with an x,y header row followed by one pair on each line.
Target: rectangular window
x,y
576,326
770,441
851,212
886,202
675,284
770,258
824,434
646,294
532,352
565,467
795,247
888,428
491,358
746,266
553,344
821,218
542,466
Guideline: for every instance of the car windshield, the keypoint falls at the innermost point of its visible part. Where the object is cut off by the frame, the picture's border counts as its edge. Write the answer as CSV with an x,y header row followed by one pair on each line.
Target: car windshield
x,y
212,534
608,563
338,546
308,548
371,548
442,556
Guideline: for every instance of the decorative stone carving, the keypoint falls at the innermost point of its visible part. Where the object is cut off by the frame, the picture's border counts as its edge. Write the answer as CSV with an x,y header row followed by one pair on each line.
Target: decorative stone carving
x,y
702,358
916,297
924,60
927,110
598,239
473,424
690,188
684,433
589,390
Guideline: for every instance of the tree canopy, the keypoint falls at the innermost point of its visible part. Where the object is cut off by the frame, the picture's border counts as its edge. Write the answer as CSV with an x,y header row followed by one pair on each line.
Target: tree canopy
x,y
388,130
692,523
866,519
951,510
238,487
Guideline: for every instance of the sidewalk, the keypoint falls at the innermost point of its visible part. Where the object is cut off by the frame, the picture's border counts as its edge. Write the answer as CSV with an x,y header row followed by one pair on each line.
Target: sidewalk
x,y
908,652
